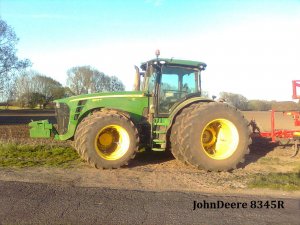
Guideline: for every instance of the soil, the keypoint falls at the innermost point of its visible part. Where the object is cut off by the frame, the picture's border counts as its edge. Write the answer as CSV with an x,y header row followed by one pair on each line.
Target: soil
x,y
9,117
263,120
158,171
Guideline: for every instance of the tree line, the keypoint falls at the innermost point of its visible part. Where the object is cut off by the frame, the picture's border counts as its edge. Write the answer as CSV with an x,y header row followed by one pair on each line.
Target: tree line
x,y
27,88
242,103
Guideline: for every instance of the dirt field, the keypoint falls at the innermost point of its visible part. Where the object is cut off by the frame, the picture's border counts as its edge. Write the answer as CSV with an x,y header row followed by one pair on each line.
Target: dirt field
x,y
159,171
9,117
263,120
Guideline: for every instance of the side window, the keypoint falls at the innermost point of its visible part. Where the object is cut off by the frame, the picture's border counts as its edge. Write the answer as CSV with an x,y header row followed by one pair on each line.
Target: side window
x,y
169,92
142,81
169,82
150,80
152,83
188,83
176,83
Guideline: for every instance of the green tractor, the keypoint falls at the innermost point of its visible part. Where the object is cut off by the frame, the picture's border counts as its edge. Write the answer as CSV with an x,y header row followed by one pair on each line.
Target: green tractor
x,y
166,111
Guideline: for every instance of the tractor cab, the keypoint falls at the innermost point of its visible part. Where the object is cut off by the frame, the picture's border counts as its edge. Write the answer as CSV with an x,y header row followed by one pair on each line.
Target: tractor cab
x,y
170,82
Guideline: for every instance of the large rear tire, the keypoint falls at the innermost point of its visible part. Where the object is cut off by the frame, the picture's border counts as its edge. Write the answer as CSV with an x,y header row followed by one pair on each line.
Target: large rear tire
x,y
213,136
174,140
106,139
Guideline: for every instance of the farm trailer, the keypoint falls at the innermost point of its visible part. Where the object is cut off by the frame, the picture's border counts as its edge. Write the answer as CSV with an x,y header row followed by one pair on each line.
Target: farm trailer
x,y
166,111
283,136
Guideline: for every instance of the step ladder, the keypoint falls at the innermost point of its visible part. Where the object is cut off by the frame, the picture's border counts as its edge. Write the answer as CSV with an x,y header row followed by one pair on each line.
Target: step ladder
x,y
159,133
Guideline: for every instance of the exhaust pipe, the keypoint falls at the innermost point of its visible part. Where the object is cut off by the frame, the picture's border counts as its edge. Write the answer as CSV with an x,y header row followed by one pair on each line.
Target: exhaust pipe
x,y
137,80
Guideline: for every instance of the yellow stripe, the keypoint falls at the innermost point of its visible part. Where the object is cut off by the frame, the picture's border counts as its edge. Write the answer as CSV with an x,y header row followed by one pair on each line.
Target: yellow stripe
x,y
109,96
296,133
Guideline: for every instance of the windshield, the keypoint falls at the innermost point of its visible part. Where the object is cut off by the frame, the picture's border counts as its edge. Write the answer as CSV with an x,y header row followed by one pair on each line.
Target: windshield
x,y
175,84
180,79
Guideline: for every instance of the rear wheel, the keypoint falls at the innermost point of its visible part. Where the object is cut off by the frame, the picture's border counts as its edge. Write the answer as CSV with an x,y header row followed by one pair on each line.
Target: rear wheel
x,y
174,137
213,136
106,139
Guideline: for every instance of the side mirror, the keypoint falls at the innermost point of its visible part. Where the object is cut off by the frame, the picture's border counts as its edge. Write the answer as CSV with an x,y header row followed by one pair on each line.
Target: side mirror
x,y
137,80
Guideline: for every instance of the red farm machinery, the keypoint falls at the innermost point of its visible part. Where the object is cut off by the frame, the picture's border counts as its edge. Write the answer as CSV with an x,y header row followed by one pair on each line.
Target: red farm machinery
x,y
279,135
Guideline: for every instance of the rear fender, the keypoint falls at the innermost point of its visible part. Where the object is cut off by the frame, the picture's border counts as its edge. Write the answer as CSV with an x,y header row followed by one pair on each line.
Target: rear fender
x,y
183,105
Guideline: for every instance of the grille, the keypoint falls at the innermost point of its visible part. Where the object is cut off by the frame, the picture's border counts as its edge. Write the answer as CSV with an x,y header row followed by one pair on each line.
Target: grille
x,y
62,116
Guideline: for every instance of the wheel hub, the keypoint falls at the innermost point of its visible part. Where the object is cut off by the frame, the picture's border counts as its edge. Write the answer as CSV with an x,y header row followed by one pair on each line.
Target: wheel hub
x,y
105,139
112,142
209,137
219,139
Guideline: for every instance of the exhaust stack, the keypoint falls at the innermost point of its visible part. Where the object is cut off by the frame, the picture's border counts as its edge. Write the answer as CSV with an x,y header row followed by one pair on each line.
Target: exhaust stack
x,y
137,80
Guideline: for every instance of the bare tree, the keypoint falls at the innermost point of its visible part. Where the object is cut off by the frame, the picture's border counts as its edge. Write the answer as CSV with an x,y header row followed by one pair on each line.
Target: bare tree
x,y
101,82
47,86
259,105
85,79
32,88
80,79
9,62
116,84
236,100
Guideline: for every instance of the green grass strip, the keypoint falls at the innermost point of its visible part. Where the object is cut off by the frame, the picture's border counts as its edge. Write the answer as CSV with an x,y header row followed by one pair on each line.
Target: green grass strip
x,y
15,155
279,181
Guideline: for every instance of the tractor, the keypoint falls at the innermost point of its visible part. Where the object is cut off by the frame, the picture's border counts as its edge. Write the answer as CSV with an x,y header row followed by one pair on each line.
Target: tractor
x,y
166,111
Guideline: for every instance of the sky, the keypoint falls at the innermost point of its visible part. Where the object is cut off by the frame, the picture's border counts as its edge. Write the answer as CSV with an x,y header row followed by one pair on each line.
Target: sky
x,y
251,47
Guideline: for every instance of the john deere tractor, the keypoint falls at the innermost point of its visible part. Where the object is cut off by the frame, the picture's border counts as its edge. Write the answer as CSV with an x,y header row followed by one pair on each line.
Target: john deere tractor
x,y
166,111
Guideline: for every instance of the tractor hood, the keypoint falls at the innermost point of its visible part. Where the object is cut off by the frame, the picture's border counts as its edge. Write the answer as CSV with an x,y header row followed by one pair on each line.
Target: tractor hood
x,y
71,110
95,96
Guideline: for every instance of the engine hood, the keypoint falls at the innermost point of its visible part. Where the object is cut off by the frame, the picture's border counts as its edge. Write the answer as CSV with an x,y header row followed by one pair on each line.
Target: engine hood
x,y
124,94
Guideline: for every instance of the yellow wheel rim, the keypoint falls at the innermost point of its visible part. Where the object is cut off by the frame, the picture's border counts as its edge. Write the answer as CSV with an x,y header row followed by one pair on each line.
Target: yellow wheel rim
x,y
219,139
112,142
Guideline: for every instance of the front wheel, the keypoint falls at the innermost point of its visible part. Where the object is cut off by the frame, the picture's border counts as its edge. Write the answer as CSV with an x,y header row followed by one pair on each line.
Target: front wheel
x,y
106,139
213,136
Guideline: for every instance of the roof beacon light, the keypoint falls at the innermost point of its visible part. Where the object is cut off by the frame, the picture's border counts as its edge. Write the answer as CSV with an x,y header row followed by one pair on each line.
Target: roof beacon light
x,y
157,53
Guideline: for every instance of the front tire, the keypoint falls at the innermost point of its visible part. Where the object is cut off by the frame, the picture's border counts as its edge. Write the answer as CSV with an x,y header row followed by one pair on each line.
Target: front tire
x,y
213,136
107,139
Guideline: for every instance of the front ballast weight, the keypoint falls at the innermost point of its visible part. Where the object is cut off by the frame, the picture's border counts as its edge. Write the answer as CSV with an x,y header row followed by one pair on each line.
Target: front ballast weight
x,y
41,129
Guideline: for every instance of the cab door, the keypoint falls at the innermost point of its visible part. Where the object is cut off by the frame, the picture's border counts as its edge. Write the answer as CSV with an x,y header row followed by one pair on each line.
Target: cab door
x,y
175,84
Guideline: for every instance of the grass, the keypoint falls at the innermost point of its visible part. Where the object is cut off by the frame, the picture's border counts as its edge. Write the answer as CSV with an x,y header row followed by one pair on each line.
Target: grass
x,y
25,155
11,107
274,161
270,161
279,181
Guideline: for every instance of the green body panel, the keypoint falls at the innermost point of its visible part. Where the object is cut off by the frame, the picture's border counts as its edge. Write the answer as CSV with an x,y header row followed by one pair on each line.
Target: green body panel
x,y
161,121
131,103
40,129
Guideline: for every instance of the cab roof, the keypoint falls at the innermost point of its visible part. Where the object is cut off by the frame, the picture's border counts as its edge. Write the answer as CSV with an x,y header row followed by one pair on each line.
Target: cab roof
x,y
176,62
